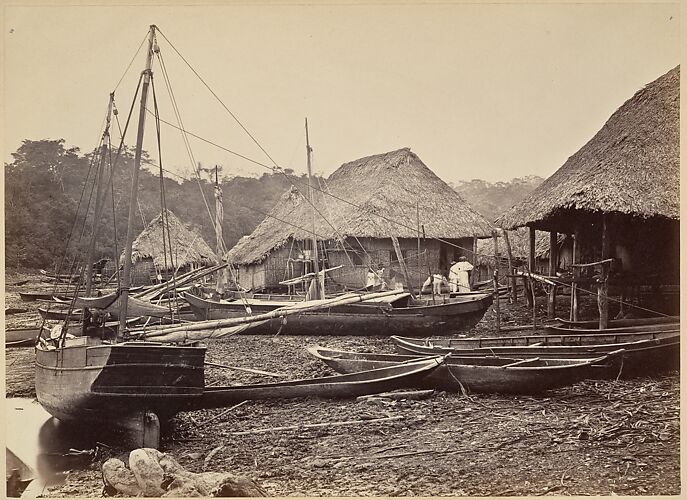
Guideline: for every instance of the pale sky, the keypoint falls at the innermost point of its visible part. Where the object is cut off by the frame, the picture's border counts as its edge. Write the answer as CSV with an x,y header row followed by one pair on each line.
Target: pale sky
x,y
477,91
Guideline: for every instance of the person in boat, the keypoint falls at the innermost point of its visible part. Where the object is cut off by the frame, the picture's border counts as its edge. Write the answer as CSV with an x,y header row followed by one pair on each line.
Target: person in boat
x,y
459,275
435,281
374,279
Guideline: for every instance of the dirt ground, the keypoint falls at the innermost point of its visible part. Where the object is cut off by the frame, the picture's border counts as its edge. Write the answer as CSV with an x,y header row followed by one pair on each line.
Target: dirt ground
x,y
600,437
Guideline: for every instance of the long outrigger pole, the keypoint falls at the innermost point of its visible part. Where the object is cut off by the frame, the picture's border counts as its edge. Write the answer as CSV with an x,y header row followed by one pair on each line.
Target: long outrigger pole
x,y
126,273
316,264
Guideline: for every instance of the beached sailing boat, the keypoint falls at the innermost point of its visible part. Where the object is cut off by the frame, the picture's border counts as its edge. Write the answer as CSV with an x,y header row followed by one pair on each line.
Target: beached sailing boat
x,y
124,384
132,383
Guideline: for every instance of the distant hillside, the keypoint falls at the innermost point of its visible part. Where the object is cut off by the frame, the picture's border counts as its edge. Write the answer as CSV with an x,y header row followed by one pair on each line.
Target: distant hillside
x,y
493,199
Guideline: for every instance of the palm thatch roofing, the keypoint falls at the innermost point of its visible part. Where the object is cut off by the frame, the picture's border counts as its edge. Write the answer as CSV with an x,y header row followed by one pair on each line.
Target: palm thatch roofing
x,y
187,246
519,240
631,166
372,197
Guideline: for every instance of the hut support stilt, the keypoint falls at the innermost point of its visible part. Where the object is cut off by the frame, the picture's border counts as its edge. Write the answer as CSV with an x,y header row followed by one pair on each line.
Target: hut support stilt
x,y
497,303
473,275
529,284
513,281
553,265
602,290
574,294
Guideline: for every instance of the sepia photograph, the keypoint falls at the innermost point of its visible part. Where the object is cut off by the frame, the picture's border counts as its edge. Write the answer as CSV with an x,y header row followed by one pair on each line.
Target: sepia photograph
x,y
341,249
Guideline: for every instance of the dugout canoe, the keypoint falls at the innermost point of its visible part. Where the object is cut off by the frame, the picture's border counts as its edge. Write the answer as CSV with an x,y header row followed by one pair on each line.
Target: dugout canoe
x,y
401,315
43,295
660,327
639,356
384,379
21,337
481,374
615,323
564,339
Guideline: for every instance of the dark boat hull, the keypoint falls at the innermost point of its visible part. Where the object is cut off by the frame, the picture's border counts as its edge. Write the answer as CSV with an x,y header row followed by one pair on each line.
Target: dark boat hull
x,y
339,386
96,382
358,319
474,374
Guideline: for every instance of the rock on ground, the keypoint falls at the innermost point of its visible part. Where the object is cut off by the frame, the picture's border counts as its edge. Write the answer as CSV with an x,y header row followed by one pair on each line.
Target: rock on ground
x,y
155,474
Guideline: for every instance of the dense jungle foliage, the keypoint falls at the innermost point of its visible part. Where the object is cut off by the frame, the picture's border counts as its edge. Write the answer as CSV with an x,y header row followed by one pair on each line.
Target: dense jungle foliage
x,y
48,187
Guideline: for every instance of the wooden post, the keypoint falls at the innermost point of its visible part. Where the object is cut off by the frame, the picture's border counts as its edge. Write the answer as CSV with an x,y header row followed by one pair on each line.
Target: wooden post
x,y
497,303
513,281
417,261
553,266
530,260
602,290
534,299
474,276
574,294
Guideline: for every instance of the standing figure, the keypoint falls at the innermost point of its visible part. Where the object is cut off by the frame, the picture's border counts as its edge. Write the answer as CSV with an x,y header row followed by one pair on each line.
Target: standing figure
x,y
459,275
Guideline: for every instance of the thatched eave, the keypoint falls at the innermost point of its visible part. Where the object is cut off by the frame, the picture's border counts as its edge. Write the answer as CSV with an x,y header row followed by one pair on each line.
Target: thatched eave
x,y
631,166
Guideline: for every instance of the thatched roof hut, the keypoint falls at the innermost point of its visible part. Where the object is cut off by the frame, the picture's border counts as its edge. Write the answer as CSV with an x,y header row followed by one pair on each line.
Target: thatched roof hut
x,y
372,197
188,247
631,166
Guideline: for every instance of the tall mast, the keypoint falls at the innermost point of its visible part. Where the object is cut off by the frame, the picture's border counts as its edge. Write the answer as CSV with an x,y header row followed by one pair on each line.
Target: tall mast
x,y
99,202
316,264
126,273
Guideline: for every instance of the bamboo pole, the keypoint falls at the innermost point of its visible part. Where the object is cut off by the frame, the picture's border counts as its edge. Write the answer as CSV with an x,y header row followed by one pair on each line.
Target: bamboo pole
x,y
299,307
402,263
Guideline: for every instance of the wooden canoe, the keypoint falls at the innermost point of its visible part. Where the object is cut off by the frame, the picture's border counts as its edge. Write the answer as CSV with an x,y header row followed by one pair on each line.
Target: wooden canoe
x,y
661,327
639,357
59,314
400,316
615,323
483,374
22,337
44,295
566,339
374,381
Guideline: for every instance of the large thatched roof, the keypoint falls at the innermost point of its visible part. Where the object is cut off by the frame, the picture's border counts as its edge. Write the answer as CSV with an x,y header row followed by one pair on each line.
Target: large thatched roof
x,y
631,166
381,194
187,246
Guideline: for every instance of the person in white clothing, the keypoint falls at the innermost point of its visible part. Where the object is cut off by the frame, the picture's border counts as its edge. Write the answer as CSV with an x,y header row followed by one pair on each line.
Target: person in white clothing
x,y
459,275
